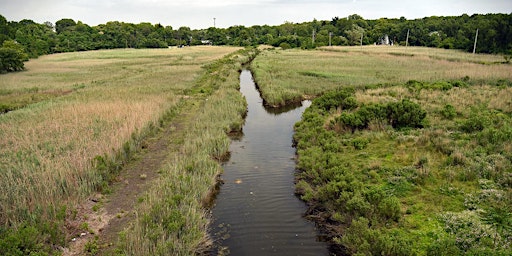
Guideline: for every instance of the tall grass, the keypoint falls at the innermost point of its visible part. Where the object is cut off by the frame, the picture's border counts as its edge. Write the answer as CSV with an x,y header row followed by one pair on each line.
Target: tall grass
x,y
442,187
52,152
295,74
172,219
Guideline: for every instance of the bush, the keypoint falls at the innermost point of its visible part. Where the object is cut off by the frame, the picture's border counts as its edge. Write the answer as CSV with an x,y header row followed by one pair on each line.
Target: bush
x,y
398,114
334,99
360,143
27,240
448,112
405,114
10,60
389,208
285,46
476,122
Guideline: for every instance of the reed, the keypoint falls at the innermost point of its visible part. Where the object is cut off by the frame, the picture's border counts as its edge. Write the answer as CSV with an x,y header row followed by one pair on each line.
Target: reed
x,y
51,148
441,188
172,218
292,75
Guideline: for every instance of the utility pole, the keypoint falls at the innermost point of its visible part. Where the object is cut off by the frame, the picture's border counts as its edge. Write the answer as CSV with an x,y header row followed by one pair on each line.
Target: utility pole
x,y
330,36
476,38
214,22
407,39
362,40
313,37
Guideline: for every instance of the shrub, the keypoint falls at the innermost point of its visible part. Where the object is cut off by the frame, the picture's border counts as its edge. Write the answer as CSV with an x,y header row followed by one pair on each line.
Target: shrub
x,y
285,46
360,143
12,56
443,86
470,232
405,114
398,114
448,112
461,84
27,240
476,122
343,98
389,208
10,60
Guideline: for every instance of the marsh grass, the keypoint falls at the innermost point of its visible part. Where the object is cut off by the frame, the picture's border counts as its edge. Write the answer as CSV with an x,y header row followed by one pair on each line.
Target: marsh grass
x,y
55,151
291,75
172,218
383,190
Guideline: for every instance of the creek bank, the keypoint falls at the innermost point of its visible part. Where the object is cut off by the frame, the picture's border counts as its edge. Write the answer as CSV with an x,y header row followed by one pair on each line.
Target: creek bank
x,y
256,211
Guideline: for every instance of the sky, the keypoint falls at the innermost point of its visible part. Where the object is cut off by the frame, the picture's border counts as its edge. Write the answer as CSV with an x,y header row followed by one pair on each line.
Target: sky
x,y
199,14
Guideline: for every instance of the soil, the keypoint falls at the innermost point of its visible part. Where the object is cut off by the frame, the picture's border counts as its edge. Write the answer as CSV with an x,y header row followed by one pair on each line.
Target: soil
x,y
107,215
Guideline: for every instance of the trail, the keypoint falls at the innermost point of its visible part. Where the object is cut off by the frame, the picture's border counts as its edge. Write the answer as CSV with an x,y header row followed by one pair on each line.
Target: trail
x,y
107,215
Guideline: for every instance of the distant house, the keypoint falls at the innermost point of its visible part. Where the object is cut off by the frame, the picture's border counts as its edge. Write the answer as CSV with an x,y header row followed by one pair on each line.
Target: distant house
x,y
384,40
206,42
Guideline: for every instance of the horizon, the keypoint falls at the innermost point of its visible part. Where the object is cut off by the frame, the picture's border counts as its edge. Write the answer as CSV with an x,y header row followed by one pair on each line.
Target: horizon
x,y
203,14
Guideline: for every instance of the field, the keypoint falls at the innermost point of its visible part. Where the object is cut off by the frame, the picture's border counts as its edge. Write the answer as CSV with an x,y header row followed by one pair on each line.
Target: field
x,y
408,150
73,120
293,75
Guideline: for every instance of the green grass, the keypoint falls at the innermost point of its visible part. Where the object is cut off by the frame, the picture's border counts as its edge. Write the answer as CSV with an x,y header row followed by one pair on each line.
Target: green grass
x,y
443,188
55,151
172,218
292,75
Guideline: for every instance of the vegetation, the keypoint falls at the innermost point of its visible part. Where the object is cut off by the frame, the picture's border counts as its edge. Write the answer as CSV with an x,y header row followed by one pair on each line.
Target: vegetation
x,y
172,219
294,75
441,32
80,117
394,166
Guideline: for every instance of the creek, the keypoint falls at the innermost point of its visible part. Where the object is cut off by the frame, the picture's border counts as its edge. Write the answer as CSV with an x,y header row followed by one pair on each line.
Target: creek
x,y
256,211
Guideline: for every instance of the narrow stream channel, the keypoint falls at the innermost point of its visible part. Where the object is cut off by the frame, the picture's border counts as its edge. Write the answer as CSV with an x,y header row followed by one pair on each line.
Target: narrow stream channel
x,y
256,211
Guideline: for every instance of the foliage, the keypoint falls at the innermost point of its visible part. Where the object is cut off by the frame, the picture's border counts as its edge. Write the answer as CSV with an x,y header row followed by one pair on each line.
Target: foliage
x,y
398,114
95,129
342,99
440,190
448,111
405,114
441,32
12,57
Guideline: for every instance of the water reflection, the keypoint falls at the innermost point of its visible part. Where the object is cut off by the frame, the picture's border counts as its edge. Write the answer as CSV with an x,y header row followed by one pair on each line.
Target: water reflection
x,y
256,211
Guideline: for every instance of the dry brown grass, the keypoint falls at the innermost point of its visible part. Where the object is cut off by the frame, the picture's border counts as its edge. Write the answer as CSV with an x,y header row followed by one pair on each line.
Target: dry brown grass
x,y
46,149
292,74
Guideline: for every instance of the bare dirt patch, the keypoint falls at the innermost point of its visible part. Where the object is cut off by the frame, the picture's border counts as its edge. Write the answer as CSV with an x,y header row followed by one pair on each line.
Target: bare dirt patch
x,y
107,215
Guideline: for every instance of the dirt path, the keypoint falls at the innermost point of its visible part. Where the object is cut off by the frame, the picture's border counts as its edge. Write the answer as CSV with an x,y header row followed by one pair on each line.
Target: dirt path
x,y
107,215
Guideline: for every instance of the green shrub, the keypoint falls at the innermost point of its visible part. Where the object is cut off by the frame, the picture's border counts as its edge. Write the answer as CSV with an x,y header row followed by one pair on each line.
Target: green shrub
x,y
360,143
443,86
285,46
448,112
405,114
389,208
460,84
343,98
476,122
26,240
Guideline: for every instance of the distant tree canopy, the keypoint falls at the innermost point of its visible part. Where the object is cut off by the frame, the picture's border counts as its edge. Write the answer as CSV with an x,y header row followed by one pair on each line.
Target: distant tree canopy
x,y
454,32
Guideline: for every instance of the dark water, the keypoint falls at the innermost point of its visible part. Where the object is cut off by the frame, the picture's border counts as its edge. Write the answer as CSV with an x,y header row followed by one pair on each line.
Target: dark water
x,y
256,211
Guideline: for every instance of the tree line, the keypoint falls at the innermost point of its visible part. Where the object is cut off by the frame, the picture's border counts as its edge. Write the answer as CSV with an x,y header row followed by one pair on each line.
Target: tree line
x,y
28,39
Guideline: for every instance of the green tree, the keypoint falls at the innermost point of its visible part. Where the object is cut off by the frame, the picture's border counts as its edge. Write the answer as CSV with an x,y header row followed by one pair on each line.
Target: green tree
x,y
12,56
64,25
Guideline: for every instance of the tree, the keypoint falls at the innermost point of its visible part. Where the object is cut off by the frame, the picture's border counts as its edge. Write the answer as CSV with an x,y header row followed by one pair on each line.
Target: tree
x,y
12,56
64,25
354,35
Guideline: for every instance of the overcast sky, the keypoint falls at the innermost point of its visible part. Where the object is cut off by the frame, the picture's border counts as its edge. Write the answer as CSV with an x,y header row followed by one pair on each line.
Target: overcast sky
x,y
198,14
